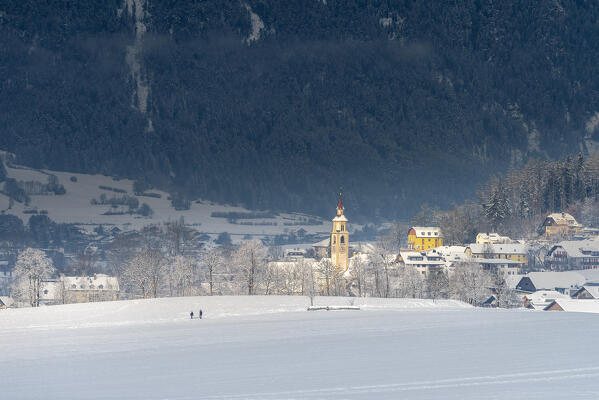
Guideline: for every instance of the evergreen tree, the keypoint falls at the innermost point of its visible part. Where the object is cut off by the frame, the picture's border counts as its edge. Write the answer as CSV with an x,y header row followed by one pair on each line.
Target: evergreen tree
x,y
497,207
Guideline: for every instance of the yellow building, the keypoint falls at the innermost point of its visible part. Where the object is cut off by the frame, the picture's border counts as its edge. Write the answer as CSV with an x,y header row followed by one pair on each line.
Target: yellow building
x,y
424,238
340,240
559,224
514,252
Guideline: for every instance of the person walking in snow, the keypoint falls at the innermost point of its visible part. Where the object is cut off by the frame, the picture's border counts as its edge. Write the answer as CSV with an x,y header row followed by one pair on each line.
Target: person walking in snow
x,y
191,315
201,314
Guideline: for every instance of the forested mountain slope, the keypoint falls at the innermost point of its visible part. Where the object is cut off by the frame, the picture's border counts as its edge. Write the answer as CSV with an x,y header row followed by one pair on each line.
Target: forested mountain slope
x,y
275,104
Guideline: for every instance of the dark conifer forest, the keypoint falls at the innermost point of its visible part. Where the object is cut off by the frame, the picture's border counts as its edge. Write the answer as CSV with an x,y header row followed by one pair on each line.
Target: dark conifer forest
x,y
275,104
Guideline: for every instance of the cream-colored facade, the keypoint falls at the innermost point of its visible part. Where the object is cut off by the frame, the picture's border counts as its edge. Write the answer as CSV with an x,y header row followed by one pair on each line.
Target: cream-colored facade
x,y
340,241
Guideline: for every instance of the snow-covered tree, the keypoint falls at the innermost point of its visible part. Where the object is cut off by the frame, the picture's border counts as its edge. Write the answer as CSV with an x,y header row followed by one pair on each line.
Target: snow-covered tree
x,y
32,268
249,259
145,272
437,285
411,283
211,262
497,207
470,283
180,276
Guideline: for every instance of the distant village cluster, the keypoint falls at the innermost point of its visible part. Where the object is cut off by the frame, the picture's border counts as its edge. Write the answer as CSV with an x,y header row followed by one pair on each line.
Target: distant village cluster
x,y
558,270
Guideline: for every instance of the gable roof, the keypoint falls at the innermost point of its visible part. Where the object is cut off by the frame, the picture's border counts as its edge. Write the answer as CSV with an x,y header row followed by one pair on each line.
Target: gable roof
x,y
323,243
591,289
563,219
576,305
427,231
565,279
499,248
575,248
6,301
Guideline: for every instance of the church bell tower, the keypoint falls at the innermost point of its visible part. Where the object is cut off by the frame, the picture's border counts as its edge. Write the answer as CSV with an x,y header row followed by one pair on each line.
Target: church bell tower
x,y
340,239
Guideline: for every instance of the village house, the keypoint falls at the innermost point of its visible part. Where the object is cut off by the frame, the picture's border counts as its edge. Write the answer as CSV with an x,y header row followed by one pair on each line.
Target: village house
x,y
573,254
424,263
79,289
559,225
509,251
422,238
539,300
321,249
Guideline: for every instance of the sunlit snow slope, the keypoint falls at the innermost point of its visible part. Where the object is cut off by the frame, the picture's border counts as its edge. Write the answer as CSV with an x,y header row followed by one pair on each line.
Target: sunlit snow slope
x,y
271,348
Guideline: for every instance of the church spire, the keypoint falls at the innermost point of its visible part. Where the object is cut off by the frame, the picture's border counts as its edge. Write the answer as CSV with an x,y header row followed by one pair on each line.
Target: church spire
x,y
340,204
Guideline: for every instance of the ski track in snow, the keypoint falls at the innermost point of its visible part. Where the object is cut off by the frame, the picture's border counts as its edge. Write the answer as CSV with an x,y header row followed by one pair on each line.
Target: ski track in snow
x,y
544,376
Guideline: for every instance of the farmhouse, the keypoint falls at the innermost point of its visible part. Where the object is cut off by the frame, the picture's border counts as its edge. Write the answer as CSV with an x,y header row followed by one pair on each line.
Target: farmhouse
x,y
559,224
573,254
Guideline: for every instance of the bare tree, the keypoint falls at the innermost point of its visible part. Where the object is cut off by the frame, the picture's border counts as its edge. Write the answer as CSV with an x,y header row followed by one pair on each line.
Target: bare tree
x,y
411,283
31,269
470,283
358,272
437,285
177,233
326,272
144,272
249,258
180,275
211,261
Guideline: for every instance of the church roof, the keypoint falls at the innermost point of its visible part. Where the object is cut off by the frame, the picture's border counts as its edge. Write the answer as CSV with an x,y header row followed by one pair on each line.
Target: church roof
x,y
340,204
340,218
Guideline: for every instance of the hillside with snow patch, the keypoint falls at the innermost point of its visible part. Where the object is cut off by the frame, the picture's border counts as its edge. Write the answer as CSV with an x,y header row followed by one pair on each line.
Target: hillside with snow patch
x,y
75,207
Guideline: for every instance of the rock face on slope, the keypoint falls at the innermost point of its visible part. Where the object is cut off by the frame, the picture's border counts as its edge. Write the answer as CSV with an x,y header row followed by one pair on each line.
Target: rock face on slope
x,y
275,104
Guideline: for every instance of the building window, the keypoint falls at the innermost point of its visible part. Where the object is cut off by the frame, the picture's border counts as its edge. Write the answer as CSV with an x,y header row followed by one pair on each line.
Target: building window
x,y
342,228
342,239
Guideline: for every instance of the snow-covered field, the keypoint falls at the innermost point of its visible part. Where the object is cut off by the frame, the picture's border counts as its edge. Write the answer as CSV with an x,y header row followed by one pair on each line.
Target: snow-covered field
x,y
271,348
74,207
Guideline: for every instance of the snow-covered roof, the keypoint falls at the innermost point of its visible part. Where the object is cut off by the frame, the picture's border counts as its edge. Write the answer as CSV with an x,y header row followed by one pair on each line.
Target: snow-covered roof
x,y
289,265
576,305
499,248
449,250
323,243
577,248
542,298
421,258
427,231
563,219
492,237
592,289
6,301
565,279
340,218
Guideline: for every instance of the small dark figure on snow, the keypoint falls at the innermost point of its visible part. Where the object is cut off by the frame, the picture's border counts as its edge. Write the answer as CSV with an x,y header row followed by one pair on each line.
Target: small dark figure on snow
x,y
201,314
191,315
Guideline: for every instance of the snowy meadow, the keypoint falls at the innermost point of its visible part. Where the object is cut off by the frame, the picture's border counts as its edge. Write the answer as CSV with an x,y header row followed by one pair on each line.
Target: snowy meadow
x,y
270,347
